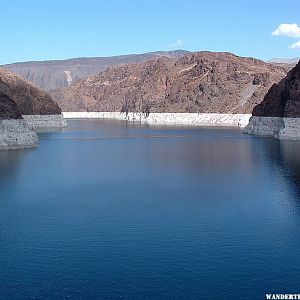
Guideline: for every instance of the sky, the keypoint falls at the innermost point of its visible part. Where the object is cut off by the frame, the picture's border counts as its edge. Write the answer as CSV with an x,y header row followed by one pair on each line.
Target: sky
x,y
61,29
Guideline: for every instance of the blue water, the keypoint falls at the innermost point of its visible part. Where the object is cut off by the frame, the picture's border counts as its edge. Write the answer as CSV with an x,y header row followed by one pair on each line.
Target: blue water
x,y
109,210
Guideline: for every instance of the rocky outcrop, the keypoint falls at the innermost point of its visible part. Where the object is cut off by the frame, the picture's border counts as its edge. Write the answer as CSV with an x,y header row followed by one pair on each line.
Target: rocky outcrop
x,y
203,82
56,74
8,108
29,99
283,99
20,98
282,102
14,132
264,126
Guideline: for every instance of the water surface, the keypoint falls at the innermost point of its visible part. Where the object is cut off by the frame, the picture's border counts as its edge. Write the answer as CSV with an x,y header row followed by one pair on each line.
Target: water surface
x,y
109,209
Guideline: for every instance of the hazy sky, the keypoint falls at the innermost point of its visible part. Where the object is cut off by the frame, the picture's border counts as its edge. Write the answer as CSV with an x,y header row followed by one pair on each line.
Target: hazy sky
x,y
59,29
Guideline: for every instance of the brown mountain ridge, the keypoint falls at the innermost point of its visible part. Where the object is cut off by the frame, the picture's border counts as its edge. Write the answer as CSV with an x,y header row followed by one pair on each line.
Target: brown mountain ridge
x,y
56,74
29,100
204,82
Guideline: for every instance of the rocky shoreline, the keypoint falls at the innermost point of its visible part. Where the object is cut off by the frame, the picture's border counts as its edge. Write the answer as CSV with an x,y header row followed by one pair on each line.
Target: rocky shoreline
x,y
278,127
15,134
24,109
278,115
197,119
20,133
38,122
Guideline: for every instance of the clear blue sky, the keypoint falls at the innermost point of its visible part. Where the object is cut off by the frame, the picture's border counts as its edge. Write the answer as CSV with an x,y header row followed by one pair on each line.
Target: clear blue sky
x,y
59,29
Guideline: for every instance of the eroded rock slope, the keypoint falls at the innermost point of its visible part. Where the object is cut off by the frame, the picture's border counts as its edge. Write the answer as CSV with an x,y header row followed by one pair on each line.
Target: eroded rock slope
x,y
203,82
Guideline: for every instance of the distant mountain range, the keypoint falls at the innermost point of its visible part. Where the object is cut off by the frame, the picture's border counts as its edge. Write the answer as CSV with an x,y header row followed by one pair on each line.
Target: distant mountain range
x,y
284,60
57,74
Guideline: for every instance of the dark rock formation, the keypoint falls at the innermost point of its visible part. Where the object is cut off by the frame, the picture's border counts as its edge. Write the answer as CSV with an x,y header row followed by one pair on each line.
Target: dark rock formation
x,y
283,99
8,108
203,82
29,99
56,74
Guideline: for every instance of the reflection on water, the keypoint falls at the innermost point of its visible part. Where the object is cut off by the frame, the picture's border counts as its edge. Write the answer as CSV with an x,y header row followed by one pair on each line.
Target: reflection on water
x,y
109,209
290,151
290,155
10,162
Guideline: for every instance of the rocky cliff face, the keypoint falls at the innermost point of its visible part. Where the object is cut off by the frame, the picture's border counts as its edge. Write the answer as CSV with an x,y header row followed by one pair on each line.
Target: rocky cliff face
x,y
283,99
14,131
8,108
204,82
278,114
28,99
56,74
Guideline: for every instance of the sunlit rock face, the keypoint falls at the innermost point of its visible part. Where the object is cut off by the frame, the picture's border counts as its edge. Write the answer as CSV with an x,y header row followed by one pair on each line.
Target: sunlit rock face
x,y
202,82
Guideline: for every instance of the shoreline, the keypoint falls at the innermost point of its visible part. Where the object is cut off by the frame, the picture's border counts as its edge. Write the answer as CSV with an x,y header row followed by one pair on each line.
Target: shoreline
x,y
196,119
277,127
16,134
39,122
21,133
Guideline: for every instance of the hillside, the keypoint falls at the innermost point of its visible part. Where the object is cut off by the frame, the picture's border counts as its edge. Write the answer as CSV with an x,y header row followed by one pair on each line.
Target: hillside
x,y
56,74
8,108
283,99
197,82
29,99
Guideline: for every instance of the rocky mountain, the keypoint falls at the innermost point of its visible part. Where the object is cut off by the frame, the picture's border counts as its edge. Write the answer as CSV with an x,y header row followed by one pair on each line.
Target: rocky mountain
x,y
283,99
24,108
56,74
198,82
8,108
28,99
278,115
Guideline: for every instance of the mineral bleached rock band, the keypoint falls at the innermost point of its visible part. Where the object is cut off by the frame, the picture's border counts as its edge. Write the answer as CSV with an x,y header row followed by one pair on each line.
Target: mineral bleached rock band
x,y
283,128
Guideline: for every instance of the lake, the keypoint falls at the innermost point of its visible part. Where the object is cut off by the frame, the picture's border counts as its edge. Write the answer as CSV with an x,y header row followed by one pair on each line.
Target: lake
x,y
109,209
